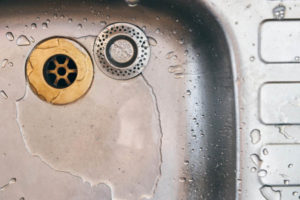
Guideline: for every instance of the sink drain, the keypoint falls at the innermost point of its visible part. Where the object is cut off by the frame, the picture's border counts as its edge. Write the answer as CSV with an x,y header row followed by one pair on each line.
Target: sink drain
x,y
59,70
122,51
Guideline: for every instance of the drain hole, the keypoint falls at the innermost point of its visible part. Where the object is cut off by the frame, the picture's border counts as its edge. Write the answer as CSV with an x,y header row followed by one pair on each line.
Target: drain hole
x,y
60,71
61,59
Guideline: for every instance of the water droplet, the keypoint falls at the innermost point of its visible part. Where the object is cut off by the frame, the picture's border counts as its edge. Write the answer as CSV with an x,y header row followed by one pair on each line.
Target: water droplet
x,y
62,16
279,11
255,136
10,64
174,32
84,19
48,21
22,198
103,23
253,169
295,193
178,75
12,181
176,69
70,20
33,26
79,26
10,36
157,31
186,162
290,165
44,25
55,16
144,28
181,41
269,193
190,30
132,3
170,55
177,20
22,40
186,52
262,173
182,179
4,63
152,41
3,95
107,16
286,182
188,92
38,18
255,159
265,151
252,58
157,18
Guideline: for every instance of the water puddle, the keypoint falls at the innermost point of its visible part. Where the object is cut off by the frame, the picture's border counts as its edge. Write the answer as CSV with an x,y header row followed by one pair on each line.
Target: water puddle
x,y
112,135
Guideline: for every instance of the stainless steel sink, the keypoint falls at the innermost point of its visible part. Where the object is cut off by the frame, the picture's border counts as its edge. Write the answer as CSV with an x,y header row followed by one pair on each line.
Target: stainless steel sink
x,y
169,132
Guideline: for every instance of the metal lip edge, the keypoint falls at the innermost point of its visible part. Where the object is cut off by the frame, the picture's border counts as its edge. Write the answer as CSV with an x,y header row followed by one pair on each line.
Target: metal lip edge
x,y
261,24
259,103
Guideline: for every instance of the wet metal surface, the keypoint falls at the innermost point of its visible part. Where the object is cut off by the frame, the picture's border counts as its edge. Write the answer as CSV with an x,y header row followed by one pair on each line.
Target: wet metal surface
x,y
168,133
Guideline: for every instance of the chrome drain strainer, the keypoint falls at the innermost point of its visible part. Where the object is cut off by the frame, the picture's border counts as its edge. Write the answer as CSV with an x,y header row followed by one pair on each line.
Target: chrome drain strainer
x,y
122,50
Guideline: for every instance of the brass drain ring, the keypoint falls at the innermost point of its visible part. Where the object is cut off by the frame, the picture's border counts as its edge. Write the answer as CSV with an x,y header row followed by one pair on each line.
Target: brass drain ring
x,y
59,70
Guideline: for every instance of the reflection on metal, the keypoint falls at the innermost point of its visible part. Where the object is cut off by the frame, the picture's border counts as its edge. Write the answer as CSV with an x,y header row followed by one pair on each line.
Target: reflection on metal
x,y
59,71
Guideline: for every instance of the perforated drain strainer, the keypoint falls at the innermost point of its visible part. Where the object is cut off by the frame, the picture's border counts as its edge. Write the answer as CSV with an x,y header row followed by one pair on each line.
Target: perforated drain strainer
x,y
122,50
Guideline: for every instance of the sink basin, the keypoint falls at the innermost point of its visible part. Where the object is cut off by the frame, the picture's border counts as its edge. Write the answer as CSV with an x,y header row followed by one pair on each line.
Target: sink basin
x,y
168,132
